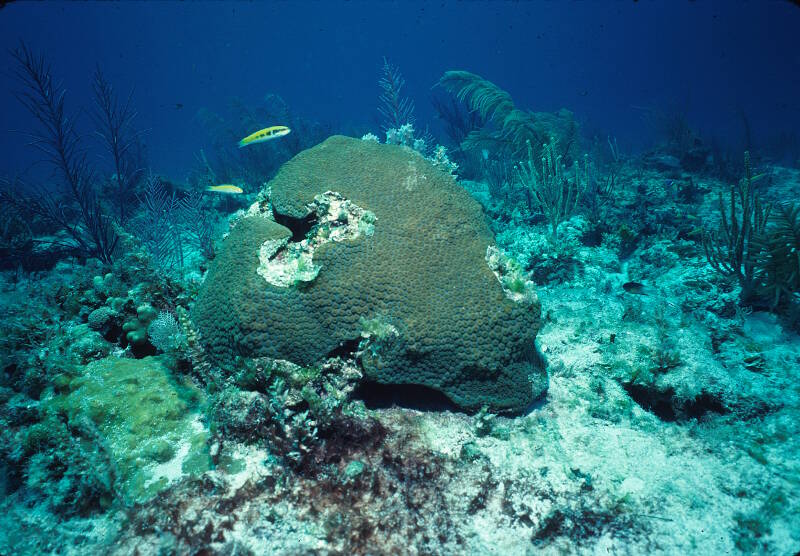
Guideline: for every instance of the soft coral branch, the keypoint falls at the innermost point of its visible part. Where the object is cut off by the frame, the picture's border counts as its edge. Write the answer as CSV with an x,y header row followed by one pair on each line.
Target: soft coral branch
x,y
44,99
114,121
397,109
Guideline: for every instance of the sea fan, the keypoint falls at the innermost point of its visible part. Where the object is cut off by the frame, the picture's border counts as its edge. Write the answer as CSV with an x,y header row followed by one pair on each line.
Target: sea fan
x,y
196,222
165,332
156,225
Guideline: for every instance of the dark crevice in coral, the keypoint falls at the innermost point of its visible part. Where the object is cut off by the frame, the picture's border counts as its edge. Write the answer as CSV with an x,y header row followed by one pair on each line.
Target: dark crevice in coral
x,y
655,401
537,403
112,333
345,350
140,351
663,405
411,396
300,227
703,404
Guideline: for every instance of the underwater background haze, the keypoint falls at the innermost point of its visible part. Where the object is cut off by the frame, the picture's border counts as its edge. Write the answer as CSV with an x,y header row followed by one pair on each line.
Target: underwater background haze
x,y
389,278
602,60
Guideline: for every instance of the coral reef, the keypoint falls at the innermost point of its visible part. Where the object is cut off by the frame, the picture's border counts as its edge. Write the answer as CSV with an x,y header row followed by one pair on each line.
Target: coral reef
x,y
148,424
457,332
108,448
349,357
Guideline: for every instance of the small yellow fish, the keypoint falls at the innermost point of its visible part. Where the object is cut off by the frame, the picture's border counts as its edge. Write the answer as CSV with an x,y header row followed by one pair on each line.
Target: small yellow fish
x,y
265,135
226,188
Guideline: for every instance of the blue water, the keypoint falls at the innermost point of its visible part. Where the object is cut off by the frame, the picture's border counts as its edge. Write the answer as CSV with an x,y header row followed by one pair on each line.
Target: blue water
x,y
711,60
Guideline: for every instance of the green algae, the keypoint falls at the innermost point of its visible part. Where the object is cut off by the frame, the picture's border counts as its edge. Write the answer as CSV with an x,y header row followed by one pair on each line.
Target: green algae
x,y
150,423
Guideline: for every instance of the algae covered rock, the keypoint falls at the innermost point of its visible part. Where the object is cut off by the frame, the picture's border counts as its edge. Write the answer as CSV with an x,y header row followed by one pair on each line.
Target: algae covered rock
x,y
371,248
149,424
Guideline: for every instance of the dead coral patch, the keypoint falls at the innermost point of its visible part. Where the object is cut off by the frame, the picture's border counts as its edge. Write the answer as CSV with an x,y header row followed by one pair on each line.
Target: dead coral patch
x,y
283,263
516,285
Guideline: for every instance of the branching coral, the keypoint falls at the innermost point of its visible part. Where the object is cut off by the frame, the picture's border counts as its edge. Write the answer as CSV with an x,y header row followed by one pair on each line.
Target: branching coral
x,y
732,249
395,108
156,227
114,121
779,255
87,225
549,188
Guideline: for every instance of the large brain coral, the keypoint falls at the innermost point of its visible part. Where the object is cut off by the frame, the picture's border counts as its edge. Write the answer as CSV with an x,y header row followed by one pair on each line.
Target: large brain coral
x,y
372,246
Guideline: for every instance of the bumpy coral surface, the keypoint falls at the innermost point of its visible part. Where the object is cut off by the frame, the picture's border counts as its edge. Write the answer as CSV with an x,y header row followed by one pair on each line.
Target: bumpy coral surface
x,y
150,425
392,240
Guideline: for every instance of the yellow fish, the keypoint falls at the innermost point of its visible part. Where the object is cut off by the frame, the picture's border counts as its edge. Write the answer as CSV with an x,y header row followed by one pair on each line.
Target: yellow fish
x,y
265,135
226,188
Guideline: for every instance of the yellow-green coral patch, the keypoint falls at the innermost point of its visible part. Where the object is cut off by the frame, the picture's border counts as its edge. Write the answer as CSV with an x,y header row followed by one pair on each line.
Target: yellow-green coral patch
x,y
149,422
